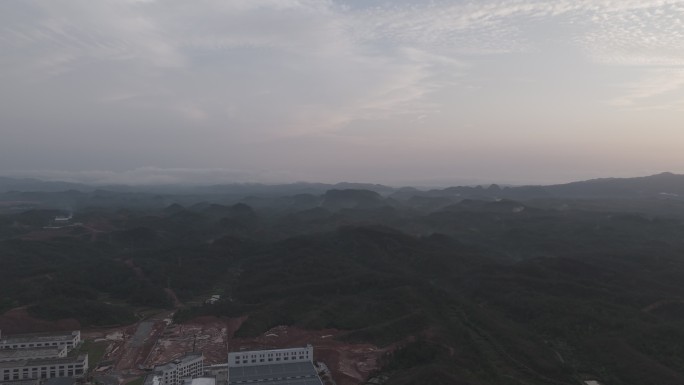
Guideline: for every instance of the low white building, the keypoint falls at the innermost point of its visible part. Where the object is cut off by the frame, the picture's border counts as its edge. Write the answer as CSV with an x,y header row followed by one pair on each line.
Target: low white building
x,y
7,355
32,381
44,368
191,365
265,357
200,381
292,366
217,371
40,356
41,340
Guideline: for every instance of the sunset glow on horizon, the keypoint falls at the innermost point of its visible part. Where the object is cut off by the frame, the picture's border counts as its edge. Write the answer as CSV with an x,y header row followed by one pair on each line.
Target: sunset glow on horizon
x,y
395,92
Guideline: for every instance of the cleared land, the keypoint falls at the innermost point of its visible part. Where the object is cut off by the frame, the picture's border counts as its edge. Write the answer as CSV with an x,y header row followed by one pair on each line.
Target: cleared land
x,y
129,350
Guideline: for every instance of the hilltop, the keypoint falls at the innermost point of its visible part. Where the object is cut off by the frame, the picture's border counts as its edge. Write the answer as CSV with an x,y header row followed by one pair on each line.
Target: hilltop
x,y
460,285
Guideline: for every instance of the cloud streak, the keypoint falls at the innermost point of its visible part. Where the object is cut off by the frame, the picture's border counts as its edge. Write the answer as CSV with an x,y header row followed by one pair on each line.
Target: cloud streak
x,y
158,76
157,176
658,83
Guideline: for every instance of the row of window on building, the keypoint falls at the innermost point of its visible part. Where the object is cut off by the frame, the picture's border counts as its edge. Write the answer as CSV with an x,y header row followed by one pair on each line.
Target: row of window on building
x,y
41,340
281,355
43,372
173,373
41,356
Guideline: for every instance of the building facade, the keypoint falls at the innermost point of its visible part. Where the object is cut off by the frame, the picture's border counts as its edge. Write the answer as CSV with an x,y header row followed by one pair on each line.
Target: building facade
x,y
41,340
293,366
40,356
191,365
7,355
22,382
200,381
265,357
44,368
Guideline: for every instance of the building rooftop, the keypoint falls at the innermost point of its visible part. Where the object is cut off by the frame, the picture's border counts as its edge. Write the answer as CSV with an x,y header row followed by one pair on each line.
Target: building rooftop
x,y
151,379
186,357
20,354
297,373
55,336
60,381
44,361
200,381
29,381
242,350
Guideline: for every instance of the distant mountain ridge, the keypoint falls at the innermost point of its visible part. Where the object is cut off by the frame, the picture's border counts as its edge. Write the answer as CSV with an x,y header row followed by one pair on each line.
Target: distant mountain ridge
x,y
8,184
665,185
31,184
467,285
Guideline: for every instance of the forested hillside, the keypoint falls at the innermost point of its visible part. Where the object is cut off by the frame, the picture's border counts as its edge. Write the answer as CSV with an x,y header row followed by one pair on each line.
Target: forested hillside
x,y
476,291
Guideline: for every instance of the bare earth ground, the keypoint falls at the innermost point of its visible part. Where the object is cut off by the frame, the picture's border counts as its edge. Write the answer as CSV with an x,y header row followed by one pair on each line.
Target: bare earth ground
x,y
130,346
156,341
209,335
350,364
19,321
152,342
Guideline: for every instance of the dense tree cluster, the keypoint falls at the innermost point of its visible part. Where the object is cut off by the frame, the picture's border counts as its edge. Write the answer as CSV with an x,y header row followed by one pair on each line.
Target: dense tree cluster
x,y
472,291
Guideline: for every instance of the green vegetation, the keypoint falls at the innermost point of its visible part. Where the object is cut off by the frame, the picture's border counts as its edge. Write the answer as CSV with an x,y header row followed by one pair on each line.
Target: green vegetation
x,y
95,351
86,312
476,291
137,381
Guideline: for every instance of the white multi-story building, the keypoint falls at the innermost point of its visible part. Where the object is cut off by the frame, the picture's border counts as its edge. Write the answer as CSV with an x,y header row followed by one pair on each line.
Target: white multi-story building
x,y
200,381
44,368
40,356
7,355
191,365
41,340
32,381
265,357
292,366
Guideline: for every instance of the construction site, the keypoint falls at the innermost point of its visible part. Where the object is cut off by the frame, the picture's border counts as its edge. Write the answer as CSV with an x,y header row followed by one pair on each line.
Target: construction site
x,y
131,352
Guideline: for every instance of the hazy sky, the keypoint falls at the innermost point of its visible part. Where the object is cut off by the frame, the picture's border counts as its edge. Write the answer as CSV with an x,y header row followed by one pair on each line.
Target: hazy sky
x,y
398,92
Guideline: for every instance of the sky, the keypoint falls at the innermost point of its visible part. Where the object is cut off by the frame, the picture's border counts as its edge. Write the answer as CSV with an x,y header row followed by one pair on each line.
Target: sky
x,y
401,92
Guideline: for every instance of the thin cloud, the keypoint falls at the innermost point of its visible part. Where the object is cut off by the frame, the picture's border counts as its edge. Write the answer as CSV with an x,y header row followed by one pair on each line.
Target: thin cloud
x,y
228,75
157,176
637,37
657,83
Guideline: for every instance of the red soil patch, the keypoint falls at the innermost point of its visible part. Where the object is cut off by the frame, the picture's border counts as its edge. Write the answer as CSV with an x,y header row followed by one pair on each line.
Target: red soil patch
x,y
130,346
20,321
210,335
350,364
174,298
